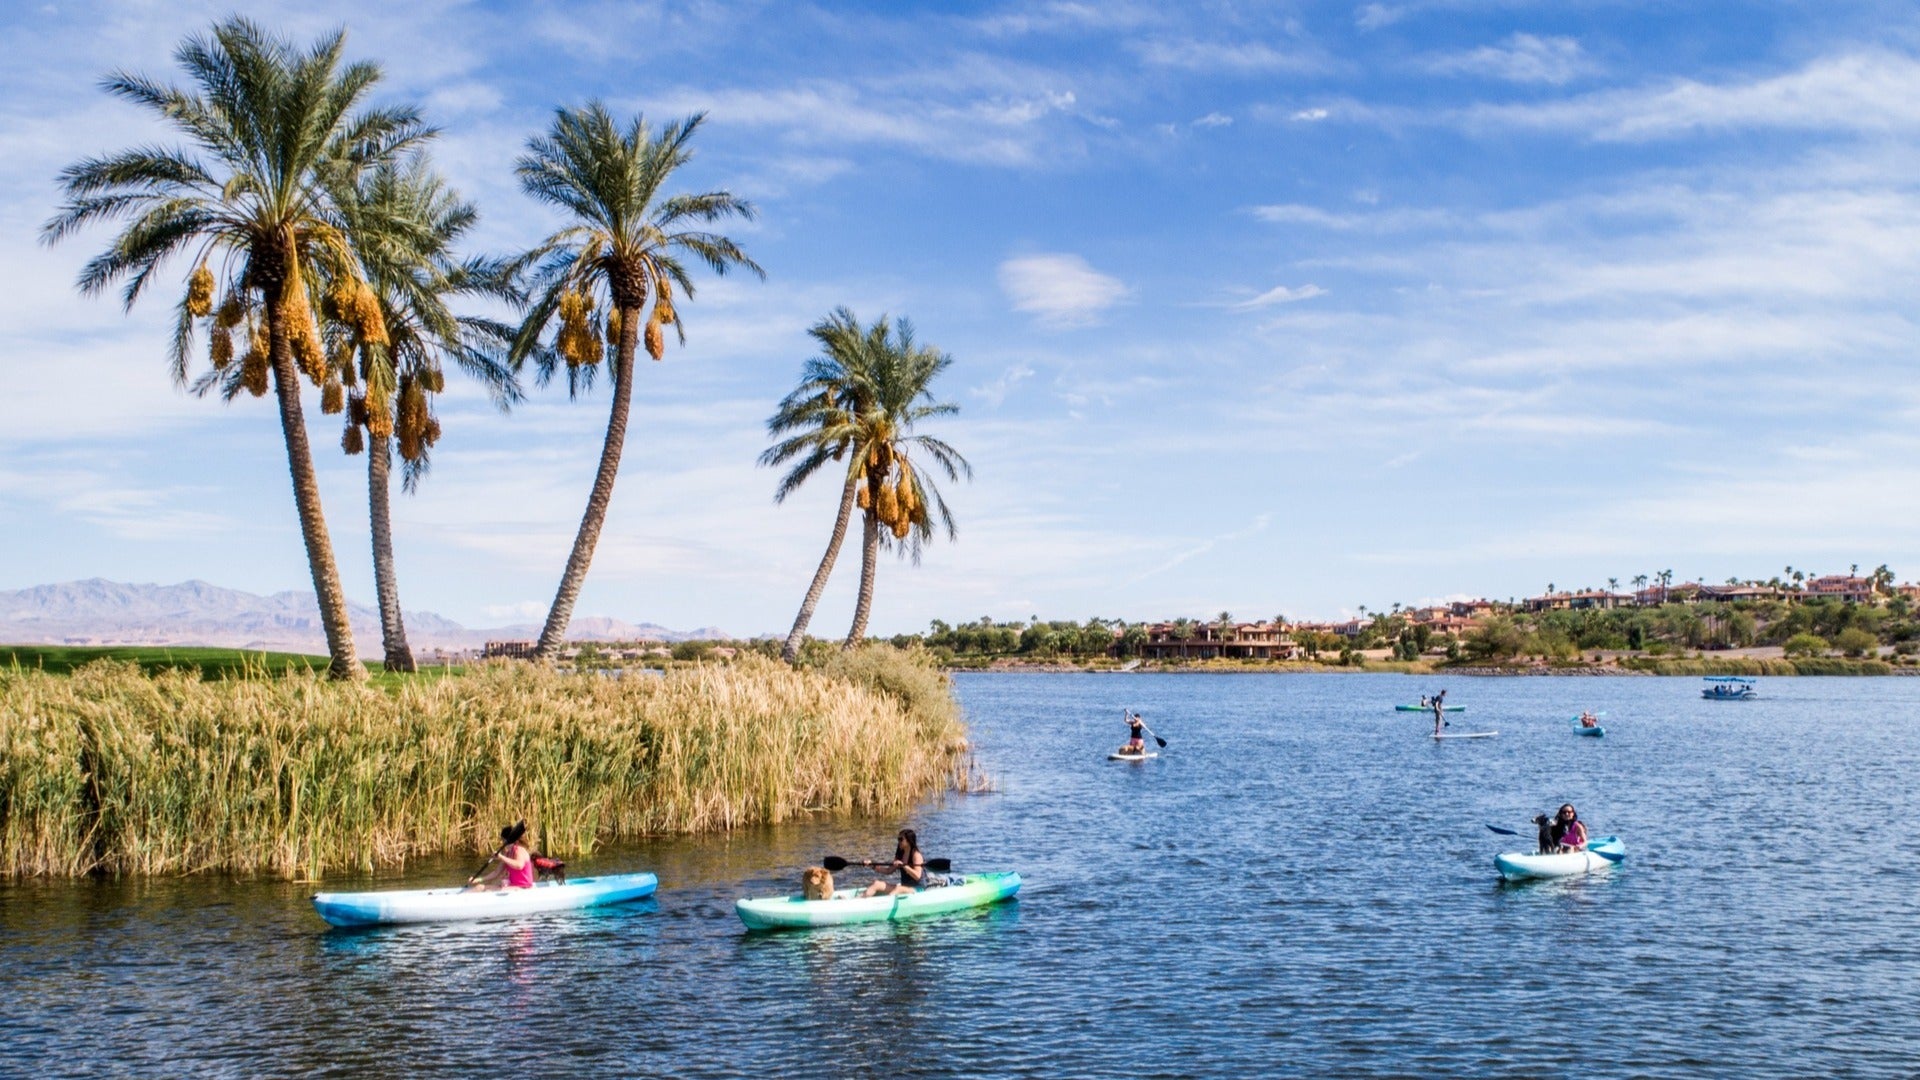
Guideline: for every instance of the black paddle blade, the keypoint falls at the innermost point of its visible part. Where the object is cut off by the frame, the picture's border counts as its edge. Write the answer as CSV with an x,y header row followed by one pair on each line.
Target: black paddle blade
x,y
1503,832
835,864
1161,741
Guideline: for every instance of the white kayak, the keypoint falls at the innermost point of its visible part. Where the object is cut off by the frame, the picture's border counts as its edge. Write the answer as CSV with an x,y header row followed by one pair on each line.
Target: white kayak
x,y
1468,735
1522,865
452,905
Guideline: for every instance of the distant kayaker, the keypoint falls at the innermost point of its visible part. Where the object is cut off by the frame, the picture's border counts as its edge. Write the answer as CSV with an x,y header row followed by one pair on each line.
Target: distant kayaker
x,y
907,861
1587,719
1569,833
511,867
1136,733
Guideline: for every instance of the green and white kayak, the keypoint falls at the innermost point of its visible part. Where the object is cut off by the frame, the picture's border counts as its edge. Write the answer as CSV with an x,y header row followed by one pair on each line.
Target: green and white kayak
x,y
1429,708
848,906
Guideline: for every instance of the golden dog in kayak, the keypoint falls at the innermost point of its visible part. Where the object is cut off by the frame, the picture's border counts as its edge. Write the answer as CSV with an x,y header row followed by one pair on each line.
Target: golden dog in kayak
x,y
816,884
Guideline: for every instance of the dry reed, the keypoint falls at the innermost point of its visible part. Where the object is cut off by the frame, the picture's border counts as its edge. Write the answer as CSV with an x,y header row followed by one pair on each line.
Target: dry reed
x,y
114,771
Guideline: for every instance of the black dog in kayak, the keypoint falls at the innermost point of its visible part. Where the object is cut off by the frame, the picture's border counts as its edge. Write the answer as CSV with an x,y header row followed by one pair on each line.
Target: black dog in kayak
x,y
1548,843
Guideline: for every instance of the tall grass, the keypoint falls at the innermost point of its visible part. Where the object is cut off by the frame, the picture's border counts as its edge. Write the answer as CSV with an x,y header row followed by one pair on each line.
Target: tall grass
x,y
118,771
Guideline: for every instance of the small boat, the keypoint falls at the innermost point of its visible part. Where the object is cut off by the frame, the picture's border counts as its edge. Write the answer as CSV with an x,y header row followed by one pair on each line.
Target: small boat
x,y
454,905
1122,755
1467,735
1429,708
848,907
1596,730
1730,688
1524,865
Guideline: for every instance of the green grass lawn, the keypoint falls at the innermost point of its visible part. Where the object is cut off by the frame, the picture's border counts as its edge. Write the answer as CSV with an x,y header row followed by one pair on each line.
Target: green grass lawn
x,y
211,663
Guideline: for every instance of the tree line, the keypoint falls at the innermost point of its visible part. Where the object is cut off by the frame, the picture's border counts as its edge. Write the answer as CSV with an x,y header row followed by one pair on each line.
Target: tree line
x,y
322,251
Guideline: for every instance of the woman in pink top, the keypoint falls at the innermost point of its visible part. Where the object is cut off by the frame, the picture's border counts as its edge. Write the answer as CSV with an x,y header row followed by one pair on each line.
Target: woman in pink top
x,y
1569,832
511,867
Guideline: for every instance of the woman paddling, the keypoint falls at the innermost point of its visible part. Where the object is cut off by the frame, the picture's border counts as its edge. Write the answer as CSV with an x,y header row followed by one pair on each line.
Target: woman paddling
x,y
907,859
1136,733
511,867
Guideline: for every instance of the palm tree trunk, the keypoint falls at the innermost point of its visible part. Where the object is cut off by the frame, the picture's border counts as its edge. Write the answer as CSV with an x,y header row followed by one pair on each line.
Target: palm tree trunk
x,y
791,651
393,629
306,497
561,615
869,555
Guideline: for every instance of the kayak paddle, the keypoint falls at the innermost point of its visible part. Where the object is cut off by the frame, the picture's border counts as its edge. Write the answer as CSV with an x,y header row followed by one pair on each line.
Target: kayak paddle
x,y
835,864
514,832
1148,730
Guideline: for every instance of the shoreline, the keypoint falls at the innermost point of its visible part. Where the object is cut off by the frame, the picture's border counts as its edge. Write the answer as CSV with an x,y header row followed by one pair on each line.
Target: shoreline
x,y
1782,669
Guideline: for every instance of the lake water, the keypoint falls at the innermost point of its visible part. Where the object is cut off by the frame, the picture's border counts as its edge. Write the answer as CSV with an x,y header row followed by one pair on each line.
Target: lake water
x,y
1302,883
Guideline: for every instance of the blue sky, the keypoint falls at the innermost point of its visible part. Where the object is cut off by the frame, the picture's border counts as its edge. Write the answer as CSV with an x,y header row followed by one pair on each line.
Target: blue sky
x,y
1266,308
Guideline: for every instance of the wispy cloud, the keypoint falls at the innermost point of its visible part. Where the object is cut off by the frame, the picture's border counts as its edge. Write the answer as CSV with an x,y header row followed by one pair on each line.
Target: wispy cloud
x,y
1230,57
1279,294
1860,92
999,129
1059,290
1214,120
1522,58
995,393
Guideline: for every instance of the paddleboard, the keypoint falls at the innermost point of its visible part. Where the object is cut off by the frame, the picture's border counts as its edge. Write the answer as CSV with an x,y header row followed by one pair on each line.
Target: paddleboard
x,y
1429,708
1130,757
1469,735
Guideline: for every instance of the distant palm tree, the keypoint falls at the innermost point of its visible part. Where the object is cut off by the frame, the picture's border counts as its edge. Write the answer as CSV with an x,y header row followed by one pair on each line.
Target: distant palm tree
x,y
818,423
277,141
404,222
894,494
619,255
1613,584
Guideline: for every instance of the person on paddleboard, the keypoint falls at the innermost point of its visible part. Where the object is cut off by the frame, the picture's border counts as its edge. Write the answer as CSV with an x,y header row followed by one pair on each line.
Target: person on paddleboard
x,y
1439,707
511,867
907,860
1136,733
1569,832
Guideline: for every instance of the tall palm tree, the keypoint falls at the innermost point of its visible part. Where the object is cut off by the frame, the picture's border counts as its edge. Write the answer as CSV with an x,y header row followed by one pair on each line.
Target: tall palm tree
x,y
404,222
899,502
611,274
819,422
276,134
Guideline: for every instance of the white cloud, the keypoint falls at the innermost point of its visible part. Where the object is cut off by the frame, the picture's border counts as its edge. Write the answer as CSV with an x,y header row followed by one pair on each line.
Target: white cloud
x,y
1059,290
1213,120
1522,58
1371,220
1279,294
1310,116
995,392
1865,92
1216,57
1376,16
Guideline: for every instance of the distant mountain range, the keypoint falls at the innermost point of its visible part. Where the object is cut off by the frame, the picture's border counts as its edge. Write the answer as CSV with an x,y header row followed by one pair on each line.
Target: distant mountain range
x,y
102,612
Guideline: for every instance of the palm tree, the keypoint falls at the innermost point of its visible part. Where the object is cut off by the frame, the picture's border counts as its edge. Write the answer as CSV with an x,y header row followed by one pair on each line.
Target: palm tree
x,y
1613,584
621,255
275,139
893,495
404,222
821,423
